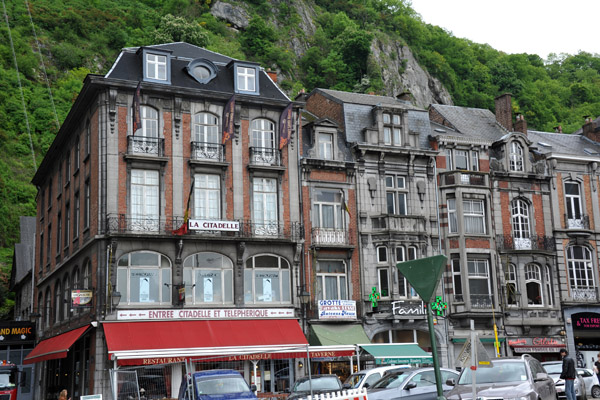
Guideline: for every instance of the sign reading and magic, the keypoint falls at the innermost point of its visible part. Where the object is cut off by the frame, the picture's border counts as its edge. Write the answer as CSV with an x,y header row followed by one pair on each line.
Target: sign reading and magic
x,y
16,332
209,225
234,313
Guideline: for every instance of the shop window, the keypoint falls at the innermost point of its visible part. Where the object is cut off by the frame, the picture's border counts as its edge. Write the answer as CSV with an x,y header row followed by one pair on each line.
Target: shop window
x,y
267,280
144,277
208,279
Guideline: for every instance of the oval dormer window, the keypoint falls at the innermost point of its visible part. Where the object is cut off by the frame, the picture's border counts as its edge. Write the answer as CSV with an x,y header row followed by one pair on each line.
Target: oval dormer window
x,y
202,70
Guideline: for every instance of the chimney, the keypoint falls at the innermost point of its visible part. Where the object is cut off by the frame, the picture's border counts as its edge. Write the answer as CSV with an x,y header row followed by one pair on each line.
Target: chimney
x,y
404,96
521,124
504,111
558,129
272,75
590,130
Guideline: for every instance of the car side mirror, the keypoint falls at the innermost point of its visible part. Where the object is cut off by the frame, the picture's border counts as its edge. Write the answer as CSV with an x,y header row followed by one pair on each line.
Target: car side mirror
x,y
410,385
541,376
367,385
253,388
451,382
347,386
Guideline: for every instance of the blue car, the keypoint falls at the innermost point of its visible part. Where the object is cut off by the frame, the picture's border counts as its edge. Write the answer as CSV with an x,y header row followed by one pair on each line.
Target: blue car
x,y
216,384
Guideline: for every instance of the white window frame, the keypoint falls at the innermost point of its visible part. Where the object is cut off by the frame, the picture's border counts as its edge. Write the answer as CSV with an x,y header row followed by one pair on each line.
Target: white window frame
x,y
156,67
340,279
246,79
581,270
149,117
145,199
533,278
383,274
516,157
283,272
396,195
479,269
573,206
452,216
207,196
325,145
548,284
521,228
403,286
198,276
206,129
511,279
162,268
457,280
471,214
265,206
382,256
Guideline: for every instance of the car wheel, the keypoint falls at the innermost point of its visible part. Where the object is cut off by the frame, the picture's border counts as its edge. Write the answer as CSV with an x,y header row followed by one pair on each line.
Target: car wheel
x,y
596,391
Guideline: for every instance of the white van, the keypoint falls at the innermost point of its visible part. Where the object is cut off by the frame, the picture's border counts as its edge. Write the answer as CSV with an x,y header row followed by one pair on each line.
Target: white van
x,y
367,377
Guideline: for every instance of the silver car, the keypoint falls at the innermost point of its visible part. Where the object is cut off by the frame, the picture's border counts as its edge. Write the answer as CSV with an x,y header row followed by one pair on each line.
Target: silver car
x,y
592,385
410,383
554,369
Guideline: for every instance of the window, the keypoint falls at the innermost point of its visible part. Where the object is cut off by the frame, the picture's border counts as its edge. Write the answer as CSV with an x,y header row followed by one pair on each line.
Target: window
x,y
467,160
474,160
156,67
516,156
66,298
474,216
59,179
47,308
386,118
76,285
533,284
246,79
149,122
383,282
520,224
479,283
144,277
267,280
208,279
449,161
57,302
58,234
579,263
86,205
325,141
382,254
77,154
144,200
328,217
202,70
206,136
50,194
392,134
402,282
331,280
76,212
457,280
48,244
207,196
452,221
264,192
68,168
573,200
263,149
87,275
67,224
42,259
511,285
548,282
461,157
395,195
88,139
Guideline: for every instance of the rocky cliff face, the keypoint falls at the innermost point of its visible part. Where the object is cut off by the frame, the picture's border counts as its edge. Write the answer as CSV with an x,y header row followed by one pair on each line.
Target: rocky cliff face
x,y
399,69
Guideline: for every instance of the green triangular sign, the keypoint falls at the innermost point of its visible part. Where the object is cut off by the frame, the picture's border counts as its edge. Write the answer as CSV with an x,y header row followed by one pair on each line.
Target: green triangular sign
x,y
424,274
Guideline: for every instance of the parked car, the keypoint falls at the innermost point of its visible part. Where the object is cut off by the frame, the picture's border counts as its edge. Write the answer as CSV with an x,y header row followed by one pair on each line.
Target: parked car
x,y
317,383
554,368
592,385
507,378
367,377
215,384
410,383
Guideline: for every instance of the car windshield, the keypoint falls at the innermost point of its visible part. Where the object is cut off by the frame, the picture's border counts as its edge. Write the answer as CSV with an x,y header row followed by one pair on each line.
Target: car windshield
x,y
499,372
354,380
555,368
222,385
320,383
5,380
390,381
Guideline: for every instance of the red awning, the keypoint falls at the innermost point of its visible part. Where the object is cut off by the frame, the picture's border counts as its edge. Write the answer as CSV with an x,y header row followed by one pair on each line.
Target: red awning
x,y
159,342
55,347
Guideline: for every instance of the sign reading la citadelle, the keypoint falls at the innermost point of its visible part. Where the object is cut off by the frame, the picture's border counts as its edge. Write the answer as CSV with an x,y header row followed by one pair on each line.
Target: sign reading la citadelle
x,y
228,313
208,225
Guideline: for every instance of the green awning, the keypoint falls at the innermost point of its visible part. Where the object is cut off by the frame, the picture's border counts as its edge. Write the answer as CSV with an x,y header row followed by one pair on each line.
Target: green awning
x,y
335,334
398,353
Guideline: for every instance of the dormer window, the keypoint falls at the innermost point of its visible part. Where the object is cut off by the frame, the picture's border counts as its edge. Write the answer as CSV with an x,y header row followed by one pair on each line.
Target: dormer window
x,y
157,66
325,145
246,79
516,157
202,70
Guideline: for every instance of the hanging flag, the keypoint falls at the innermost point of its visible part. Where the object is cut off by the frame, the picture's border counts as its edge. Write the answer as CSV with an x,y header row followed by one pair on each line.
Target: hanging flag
x,y
285,126
344,204
183,229
137,117
229,120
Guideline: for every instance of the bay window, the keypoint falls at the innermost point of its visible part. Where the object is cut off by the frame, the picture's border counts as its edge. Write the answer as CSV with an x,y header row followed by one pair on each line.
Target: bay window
x,y
144,277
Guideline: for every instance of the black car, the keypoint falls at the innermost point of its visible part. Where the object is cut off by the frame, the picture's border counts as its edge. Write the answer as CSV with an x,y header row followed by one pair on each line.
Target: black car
x,y
317,384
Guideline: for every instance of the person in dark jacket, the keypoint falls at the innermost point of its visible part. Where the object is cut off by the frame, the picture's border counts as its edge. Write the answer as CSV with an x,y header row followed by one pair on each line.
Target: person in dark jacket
x,y
568,374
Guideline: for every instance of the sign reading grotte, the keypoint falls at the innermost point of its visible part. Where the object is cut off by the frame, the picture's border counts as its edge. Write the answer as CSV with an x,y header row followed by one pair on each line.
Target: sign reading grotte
x,y
233,313
337,309
209,225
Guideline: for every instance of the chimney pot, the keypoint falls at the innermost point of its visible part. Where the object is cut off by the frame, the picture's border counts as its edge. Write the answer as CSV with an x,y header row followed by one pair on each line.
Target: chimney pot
x,y
272,75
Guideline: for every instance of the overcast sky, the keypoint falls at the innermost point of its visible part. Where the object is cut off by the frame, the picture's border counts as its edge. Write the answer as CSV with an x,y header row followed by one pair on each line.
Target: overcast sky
x,y
519,26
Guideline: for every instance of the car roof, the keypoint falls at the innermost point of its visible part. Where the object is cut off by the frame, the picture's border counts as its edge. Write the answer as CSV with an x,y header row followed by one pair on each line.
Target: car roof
x,y
379,369
305,378
212,372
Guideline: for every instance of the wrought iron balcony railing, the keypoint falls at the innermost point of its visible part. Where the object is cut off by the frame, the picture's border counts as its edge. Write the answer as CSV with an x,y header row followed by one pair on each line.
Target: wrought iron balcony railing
x,y
121,223
482,301
327,236
272,229
146,146
590,294
265,156
579,222
472,178
400,223
533,242
208,151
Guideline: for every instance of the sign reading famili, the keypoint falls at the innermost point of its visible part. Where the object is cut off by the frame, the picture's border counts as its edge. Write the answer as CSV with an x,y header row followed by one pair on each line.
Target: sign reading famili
x,y
208,225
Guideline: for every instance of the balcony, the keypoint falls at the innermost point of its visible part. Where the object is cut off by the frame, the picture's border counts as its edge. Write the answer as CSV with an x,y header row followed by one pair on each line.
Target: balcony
x,y
584,294
329,237
265,156
482,301
533,242
145,146
121,223
204,151
471,178
400,223
580,222
272,229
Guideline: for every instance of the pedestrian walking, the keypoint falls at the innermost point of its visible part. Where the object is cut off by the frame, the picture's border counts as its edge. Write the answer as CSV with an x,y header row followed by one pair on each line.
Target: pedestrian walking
x,y
597,367
568,374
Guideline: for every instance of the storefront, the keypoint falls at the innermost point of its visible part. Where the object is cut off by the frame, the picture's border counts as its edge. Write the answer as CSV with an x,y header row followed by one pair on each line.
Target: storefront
x,y
544,348
17,341
583,328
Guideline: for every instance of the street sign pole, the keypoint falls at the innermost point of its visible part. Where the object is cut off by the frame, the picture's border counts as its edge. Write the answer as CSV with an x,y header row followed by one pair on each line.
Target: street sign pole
x,y
436,363
474,359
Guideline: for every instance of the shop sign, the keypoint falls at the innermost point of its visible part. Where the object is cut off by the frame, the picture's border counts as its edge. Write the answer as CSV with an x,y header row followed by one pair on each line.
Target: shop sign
x,y
14,332
208,225
536,341
408,308
537,349
81,298
586,321
162,360
402,360
337,309
210,314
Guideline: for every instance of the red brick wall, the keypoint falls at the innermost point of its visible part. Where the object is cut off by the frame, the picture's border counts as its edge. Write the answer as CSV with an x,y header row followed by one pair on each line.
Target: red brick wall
x,y
477,243
538,213
324,107
506,213
588,200
561,204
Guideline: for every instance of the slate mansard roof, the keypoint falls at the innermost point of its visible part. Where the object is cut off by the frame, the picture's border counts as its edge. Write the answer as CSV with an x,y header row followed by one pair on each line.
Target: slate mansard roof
x,y
472,123
574,145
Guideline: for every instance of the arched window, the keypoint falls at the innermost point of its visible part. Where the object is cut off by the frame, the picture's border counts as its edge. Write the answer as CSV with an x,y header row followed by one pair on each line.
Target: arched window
x,y
40,311
87,277
57,302
520,224
76,285
47,307
144,277
208,278
66,298
516,156
533,283
206,136
579,263
267,280
511,285
263,148
548,283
